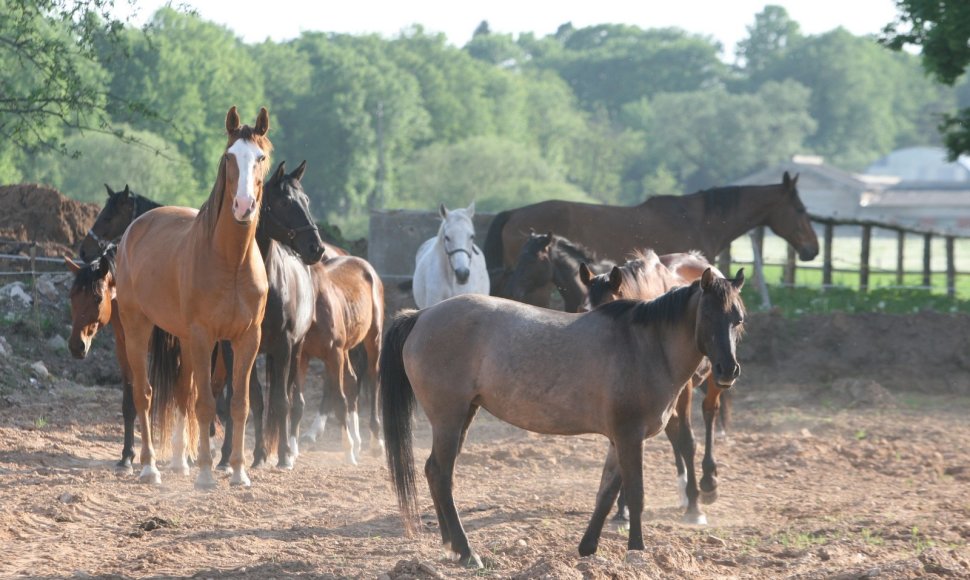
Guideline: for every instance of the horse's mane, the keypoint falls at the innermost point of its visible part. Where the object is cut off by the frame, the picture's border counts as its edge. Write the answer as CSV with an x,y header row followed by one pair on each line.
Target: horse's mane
x,y
637,268
141,203
573,250
210,210
88,278
668,309
720,200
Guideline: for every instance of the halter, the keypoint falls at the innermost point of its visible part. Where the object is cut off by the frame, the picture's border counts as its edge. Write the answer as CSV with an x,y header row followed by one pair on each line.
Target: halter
x,y
103,243
290,232
456,250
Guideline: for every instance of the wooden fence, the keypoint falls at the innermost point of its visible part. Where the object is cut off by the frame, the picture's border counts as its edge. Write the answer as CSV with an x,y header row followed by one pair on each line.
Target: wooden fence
x,y
32,263
864,269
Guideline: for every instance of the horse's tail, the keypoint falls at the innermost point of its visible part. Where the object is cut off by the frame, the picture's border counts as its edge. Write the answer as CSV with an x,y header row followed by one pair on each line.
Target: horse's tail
x,y
163,373
493,241
397,405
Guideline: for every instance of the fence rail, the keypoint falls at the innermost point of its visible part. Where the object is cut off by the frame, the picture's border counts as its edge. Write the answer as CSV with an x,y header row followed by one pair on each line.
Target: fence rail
x,y
32,260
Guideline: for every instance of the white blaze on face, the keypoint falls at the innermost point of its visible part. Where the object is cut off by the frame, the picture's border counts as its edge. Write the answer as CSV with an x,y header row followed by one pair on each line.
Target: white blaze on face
x,y
247,156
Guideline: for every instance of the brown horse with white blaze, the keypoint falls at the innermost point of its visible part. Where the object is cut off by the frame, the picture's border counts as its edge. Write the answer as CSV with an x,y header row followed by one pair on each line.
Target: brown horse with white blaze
x,y
199,275
615,371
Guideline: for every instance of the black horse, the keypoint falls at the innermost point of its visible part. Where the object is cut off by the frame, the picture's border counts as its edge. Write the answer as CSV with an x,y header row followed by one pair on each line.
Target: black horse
x,y
549,261
119,211
289,241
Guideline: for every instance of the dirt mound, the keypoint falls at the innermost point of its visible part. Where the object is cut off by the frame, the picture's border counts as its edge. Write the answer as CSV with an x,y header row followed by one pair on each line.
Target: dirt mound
x,y
30,212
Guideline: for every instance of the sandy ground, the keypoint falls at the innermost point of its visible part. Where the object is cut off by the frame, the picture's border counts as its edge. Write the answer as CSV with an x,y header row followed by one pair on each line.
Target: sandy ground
x,y
808,490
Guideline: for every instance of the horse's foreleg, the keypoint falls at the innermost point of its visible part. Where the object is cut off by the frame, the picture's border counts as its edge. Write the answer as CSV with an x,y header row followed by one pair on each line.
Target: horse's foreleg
x,y
709,479
139,332
297,402
686,449
352,394
244,355
280,402
373,345
223,404
440,470
128,413
629,452
338,363
320,421
258,406
608,491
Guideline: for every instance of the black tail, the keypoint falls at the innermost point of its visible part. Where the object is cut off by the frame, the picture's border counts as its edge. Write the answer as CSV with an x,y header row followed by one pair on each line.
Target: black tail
x,y
397,405
493,241
163,372
406,285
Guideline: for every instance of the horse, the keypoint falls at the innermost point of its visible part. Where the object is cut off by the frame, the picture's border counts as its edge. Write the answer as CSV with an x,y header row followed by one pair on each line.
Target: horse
x,y
94,306
450,263
289,242
616,371
119,211
349,315
199,276
644,277
708,221
548,261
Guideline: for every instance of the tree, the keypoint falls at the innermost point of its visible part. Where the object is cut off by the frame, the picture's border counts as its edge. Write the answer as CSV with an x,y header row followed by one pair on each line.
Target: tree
x,y
942,29
772,33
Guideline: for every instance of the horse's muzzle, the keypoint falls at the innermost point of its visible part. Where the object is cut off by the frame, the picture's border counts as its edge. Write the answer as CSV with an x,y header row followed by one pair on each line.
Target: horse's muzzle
x,y
78,348
726,374
462,274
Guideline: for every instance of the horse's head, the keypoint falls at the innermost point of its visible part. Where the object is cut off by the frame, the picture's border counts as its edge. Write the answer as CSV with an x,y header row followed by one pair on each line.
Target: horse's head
x,y
118,213
534,268
720,322
246,163
600,288
285,214
789,219
456,236
91,295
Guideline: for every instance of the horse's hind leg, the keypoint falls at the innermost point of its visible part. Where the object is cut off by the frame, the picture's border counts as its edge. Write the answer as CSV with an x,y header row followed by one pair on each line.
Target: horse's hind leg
x,y
709,479
629,452
280,401
373,345
685,449
352,394
608,491
222,380
138,336
257,405
128,413
297,402
440,471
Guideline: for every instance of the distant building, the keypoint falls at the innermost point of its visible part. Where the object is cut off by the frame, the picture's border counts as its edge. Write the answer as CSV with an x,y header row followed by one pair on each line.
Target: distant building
x,y
916,186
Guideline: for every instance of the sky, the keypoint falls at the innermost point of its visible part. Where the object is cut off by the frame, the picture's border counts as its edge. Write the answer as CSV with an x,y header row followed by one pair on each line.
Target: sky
x,y
724,20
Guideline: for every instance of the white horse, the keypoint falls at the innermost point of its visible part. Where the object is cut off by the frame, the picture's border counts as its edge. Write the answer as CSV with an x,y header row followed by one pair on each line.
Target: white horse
x,y
450,263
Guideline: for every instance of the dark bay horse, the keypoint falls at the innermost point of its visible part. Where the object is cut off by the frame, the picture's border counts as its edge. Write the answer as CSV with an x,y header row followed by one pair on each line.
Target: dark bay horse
x,y
549,261
289,241
644,277
616,371
120,209
707,221
349,314
199,276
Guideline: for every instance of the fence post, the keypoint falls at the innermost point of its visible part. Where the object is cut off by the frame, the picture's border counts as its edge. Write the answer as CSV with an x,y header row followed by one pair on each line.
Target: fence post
x,y
951,271
827,257
33,278
864,259
788,275
757,239
900,249
927,240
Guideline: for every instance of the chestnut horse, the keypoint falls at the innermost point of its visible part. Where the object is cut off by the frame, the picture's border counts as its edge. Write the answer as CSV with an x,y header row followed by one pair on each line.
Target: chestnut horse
x,y
645,277
616,371
349,314
707,221
198,275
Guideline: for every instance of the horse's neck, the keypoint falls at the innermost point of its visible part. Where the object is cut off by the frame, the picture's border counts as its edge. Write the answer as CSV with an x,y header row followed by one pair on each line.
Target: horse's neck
x,y
232,241
718,231
677,345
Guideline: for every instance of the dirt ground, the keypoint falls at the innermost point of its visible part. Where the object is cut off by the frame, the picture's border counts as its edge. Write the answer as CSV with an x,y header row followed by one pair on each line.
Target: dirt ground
x,y
30,212
825,474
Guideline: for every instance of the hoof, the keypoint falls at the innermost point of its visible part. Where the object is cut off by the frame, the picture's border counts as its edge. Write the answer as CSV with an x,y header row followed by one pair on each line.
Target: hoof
x,y
351,458
257,463
295,446
588,547
708,497
472,562
307,438
177,469
240,479
622,515
123,467
224,467
378,449
695,519
285,464
150,475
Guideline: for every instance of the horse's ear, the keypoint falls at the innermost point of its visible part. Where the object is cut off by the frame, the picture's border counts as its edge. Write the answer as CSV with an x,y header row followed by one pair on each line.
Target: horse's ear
x,y
532,231
232,120
262,122
738,281
548,240
104,266
72,265
442,211
125,192
470,210
299,171
110,191
280,171
616,278
707,279
585,276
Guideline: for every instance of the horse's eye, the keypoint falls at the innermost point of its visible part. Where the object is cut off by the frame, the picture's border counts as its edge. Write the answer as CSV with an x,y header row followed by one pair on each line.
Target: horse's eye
x,y
447,238
261,158
473,237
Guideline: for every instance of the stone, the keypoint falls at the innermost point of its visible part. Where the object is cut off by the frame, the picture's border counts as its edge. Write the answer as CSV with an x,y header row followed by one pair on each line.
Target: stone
x,y
57,343
40,370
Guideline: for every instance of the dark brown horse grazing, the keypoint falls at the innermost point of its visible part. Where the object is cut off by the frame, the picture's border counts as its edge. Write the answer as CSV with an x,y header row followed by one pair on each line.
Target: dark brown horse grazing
x,y
121,208
349,313
645,277
707,221
199,276
549,261
616,371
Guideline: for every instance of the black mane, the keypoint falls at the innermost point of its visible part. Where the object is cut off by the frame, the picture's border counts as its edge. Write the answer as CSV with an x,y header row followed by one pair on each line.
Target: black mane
x,y
721,200
669,309
88,278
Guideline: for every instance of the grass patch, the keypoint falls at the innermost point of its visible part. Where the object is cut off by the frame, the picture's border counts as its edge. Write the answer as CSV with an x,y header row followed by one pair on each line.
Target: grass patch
x,y
798,301
801,540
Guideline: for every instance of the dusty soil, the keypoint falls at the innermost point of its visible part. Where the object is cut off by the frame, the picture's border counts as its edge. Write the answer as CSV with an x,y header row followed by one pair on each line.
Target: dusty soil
x,y
30,212
826,473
